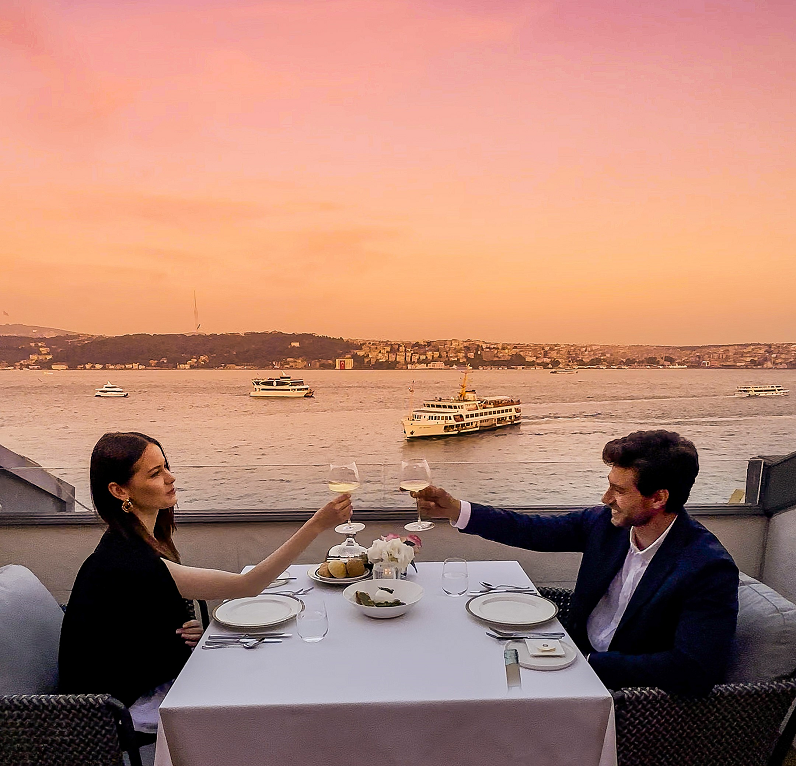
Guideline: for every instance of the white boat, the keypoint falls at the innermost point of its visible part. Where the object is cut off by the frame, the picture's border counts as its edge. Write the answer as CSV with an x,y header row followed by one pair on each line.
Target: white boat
x,y
463,414
775,390
563,371
283,387
109,390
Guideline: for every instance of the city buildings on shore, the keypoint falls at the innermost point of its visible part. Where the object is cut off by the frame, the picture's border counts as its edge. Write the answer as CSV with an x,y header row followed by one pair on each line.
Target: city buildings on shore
x,y
226,352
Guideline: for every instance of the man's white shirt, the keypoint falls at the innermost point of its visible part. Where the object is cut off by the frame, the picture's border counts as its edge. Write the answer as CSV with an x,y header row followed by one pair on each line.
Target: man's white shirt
x,y
607,615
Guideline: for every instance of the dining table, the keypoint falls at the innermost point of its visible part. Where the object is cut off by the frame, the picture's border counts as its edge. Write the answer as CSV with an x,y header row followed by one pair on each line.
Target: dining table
x,y
426,688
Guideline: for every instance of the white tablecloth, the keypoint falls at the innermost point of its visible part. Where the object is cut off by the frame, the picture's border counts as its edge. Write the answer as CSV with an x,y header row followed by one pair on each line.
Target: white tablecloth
x,y
425,689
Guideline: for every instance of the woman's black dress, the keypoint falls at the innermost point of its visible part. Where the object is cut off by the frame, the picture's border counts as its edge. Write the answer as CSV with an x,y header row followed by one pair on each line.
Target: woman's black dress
x,y
119,631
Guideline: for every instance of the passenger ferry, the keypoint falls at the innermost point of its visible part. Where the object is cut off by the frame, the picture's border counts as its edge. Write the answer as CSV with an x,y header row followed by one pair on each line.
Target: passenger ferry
x,y
775,390
463,414
283,387
109,390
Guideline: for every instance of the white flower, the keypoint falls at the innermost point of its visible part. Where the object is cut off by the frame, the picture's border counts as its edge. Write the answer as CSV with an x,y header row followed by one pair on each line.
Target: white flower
x,y
377,551
391,550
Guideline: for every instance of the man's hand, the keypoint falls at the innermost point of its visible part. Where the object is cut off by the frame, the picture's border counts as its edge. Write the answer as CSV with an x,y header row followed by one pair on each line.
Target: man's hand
x,y
191,632
436,502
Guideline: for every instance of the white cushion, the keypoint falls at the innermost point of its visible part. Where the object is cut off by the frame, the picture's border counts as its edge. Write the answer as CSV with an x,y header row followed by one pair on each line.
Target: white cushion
x,y
30,628
765,639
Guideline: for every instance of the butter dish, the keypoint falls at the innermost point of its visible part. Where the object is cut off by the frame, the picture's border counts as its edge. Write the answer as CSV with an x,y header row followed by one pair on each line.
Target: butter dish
x,y
544,647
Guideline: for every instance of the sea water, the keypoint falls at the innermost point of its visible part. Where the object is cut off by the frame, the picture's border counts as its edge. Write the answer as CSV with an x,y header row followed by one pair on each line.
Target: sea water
x,y
232,451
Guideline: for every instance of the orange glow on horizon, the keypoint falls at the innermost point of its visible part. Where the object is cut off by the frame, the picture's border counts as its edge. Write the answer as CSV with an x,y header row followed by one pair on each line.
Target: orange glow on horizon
x,y
547,171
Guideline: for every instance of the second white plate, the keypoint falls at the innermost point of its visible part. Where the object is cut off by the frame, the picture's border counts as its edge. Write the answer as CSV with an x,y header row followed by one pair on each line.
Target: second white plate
x,y
261,611
512,609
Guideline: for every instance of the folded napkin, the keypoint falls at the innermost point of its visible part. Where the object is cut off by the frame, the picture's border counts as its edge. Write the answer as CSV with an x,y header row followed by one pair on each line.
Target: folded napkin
x,y
544,647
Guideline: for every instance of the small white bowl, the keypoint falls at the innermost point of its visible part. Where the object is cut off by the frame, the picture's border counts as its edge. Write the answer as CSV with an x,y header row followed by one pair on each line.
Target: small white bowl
x,y
404,590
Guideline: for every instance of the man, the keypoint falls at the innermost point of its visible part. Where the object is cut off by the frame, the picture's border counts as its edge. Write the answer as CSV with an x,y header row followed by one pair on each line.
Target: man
x,y
656,598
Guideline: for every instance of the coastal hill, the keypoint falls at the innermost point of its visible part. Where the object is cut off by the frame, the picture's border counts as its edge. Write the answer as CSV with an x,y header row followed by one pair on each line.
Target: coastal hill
x,y
32,331
261,350
254,349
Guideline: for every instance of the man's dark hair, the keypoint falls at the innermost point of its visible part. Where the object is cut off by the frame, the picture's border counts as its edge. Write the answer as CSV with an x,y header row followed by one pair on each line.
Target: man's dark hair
x,y
661,460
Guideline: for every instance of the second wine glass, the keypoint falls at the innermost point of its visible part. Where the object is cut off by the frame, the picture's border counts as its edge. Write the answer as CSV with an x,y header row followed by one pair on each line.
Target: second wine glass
x,y
343,478
416,475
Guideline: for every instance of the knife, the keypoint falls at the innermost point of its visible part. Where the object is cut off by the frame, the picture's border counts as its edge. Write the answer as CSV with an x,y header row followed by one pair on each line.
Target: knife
x,y
512,660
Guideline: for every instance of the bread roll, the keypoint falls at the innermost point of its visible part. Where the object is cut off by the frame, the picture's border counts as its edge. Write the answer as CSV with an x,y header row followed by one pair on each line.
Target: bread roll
x,y
323,570
355,567
337,568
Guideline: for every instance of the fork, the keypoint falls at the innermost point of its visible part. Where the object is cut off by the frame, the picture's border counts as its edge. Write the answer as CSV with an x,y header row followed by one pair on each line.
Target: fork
x,y
238,636
300,592
547,633
246,643
505,589
489,586
523,637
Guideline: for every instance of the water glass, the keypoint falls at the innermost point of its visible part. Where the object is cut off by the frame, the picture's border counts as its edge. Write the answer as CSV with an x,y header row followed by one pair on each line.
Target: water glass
x,y
454,577
311,622
386,570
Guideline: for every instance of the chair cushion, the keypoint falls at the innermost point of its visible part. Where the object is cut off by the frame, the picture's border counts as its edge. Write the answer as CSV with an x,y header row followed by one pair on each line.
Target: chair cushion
x,y
765,640
30,628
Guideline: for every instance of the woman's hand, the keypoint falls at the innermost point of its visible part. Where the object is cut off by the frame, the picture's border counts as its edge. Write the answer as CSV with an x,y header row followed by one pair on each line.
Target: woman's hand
x,y
335,512
191,632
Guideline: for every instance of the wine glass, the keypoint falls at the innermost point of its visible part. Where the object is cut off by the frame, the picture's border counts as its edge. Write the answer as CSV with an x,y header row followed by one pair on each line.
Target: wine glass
x,y
344,478
416,475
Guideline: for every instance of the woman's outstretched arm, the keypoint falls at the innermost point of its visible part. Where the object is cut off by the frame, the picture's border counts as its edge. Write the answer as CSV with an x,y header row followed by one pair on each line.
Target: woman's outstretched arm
x,y
210,584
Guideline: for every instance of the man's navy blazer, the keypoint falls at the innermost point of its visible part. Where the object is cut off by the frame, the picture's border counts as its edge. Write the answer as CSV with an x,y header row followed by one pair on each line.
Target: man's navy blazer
x,y
677,630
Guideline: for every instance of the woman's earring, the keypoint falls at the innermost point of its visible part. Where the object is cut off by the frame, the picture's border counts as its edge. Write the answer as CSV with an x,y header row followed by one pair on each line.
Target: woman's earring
x,y
127,505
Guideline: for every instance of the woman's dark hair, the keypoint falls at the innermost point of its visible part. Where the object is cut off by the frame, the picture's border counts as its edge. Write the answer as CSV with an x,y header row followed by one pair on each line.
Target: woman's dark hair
x,y
113,460
661,460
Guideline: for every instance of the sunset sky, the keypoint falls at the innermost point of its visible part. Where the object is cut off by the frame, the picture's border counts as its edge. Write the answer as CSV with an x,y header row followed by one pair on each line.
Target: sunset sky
x,y
574,171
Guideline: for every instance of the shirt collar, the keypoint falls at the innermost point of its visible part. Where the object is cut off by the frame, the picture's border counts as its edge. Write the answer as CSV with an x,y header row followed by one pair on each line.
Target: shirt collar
x,y
650,550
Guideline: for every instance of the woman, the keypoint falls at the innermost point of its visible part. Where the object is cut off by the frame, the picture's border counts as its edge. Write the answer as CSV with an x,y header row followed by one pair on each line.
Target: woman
x,y
127,630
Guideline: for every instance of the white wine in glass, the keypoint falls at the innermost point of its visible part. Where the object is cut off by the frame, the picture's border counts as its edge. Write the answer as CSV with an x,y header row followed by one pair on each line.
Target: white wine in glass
x,y
344,479
415,475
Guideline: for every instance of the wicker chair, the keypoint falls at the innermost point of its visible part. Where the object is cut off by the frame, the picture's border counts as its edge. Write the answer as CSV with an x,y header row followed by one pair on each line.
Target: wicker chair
x,y
735,725
38,728
66,730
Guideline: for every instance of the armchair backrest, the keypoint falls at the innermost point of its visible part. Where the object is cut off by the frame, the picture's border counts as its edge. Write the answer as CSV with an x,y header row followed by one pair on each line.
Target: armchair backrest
x,y
765,639
30,629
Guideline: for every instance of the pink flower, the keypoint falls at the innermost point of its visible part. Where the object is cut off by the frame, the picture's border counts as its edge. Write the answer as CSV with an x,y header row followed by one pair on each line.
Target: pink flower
x,y
415,540
390,537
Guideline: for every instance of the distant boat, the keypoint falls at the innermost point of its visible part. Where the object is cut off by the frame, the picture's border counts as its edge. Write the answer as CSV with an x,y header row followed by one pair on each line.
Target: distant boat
x,y
563,371
775,390
283,387
109,390
466,413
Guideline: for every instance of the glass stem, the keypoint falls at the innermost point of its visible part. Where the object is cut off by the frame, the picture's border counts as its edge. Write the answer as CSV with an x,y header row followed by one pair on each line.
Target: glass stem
x,y
419,520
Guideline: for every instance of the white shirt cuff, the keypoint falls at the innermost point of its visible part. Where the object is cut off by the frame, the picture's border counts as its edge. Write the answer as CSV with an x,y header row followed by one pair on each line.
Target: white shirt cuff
x,y
464,516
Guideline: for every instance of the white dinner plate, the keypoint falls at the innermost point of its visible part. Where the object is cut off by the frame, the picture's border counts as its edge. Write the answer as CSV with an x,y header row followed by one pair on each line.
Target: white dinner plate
x,y
313,574
512,609
527,660
261,611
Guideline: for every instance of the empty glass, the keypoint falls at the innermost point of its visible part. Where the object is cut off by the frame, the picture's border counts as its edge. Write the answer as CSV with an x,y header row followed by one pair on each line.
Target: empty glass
x,y
311,622
454,577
